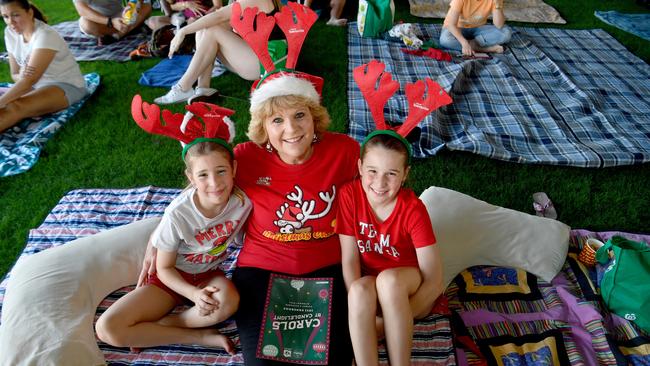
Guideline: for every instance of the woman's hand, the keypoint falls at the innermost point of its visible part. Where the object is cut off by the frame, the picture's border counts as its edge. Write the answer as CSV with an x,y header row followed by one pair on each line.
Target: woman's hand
x,y
148,264
203,298
467,48
176,41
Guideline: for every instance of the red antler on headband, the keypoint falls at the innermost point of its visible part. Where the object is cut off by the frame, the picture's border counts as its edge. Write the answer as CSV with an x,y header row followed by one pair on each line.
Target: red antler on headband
x,y
257,38
295,20
419,105
377,86
212,115
366,77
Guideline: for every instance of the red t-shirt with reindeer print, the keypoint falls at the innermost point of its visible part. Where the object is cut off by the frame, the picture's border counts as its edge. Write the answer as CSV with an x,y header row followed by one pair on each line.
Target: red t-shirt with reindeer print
x,y
291,227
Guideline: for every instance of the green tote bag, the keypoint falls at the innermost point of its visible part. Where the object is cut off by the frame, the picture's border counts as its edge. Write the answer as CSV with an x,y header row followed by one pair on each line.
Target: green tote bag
x,y
375,17
625,286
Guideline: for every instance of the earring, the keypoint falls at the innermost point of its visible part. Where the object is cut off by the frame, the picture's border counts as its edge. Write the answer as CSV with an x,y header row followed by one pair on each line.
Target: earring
x,y
269,148
315,139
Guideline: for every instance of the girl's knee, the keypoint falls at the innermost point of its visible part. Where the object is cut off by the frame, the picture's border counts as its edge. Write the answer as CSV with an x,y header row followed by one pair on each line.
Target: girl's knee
x,y
108,331
448,41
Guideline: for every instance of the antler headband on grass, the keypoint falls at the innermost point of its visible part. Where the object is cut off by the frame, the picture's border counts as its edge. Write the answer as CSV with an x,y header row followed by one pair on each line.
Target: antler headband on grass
x,y
255,27
377,87
216,126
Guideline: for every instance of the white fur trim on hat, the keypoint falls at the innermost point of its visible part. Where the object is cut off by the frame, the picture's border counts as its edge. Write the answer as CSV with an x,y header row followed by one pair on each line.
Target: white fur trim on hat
x,y
283,85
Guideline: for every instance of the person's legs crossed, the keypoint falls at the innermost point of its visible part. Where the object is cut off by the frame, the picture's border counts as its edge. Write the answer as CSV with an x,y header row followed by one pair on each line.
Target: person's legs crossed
x,y
448,41
38,102
488,36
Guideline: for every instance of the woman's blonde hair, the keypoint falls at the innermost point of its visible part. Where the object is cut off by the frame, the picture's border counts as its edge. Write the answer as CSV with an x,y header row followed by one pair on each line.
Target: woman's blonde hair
x,y
256,131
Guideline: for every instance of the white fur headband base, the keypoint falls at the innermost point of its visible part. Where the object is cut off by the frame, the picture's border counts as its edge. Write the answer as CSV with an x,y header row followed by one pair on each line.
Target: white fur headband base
x,y
281,86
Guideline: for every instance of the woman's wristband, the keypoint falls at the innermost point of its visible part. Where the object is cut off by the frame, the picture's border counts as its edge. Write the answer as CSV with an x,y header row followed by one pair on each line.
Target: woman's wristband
x,y
109,22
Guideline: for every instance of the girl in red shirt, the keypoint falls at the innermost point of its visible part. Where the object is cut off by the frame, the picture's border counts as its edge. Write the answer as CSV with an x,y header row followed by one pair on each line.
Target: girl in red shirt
x,y
391,266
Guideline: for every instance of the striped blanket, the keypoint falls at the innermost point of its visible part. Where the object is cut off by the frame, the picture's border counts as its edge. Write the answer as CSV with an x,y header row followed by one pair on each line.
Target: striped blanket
x,y
563,97
20,146
84,47
85,212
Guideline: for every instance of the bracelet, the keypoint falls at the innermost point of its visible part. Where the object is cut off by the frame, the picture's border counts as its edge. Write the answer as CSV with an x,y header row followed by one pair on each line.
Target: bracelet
x,y
109,22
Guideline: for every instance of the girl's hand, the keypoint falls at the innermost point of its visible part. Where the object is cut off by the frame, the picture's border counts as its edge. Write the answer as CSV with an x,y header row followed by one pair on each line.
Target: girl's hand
x,y
196,8
205,301
148,265
176,42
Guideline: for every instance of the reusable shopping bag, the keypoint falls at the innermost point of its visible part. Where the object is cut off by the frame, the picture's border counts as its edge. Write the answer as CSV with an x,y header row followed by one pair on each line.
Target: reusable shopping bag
x,y
625,286
375,17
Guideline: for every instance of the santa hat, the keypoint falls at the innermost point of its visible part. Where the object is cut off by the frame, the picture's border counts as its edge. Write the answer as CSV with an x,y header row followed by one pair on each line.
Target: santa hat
x,y
203,122
377,86
295,20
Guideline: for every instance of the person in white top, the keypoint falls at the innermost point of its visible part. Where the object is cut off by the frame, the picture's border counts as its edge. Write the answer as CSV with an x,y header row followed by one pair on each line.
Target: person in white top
x,y
47,77
197,232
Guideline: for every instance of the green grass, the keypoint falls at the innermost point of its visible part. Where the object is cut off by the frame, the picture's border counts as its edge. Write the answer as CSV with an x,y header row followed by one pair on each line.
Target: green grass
x,y
101,147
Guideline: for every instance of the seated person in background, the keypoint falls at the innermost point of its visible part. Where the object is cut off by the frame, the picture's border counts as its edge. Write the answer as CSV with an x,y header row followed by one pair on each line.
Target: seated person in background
x,y
215,38
336,9
103,18
465,27
47,77
190,10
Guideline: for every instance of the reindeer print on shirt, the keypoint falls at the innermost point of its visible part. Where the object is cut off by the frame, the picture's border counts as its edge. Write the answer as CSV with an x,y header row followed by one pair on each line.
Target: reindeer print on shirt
x,y
294,216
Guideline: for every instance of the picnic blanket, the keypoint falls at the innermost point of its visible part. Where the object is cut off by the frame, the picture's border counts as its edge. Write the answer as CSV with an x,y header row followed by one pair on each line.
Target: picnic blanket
x,y
637,24
84,47
85,212
515,318
529,11
20,146
169,70
564,97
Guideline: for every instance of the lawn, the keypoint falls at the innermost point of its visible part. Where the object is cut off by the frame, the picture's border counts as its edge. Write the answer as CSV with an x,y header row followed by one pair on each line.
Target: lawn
x,y
101,147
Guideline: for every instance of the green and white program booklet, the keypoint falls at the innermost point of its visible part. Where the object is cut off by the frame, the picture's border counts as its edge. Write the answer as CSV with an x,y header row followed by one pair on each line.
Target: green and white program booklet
x,y
296,322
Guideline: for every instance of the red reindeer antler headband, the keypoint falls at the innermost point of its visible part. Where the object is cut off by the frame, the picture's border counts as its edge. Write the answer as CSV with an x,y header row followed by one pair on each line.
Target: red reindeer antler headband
x,y
187,129
377,86
255,27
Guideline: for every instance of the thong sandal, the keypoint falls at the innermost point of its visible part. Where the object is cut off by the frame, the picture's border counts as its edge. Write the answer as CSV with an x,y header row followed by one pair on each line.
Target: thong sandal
x,y
544,206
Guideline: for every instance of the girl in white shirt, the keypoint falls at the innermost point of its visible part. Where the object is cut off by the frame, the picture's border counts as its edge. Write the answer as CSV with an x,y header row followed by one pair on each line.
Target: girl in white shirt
x,y
47,77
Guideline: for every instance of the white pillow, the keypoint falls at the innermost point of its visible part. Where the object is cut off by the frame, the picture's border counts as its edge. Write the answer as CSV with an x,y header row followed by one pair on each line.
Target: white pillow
x,y
471,232
52,296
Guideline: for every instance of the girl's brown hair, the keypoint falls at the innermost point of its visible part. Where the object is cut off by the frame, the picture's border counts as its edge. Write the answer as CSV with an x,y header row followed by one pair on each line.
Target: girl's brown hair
x,y
387,142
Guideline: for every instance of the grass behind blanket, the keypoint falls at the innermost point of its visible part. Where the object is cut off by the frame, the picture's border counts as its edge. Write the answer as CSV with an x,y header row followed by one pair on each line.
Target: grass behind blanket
x,y
101,147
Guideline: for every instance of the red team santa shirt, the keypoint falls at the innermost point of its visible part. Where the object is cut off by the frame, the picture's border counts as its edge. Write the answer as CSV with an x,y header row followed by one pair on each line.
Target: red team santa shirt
x,y
291,227
387,244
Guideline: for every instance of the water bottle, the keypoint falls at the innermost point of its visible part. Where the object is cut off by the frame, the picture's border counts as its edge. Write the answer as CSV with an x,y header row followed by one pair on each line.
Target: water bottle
x,y
130,13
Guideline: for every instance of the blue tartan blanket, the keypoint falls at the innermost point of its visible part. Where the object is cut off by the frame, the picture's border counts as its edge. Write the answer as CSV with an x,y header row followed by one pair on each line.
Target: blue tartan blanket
x,y
84,47
20,146
85,212
563,97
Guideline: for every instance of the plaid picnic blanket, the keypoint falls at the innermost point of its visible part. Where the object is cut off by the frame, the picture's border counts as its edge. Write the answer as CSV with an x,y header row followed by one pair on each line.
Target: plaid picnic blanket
x,y
563,97
20,146
87,211
84,47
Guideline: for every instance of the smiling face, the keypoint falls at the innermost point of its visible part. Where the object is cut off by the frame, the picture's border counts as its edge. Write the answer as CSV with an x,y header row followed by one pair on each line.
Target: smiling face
x,y
17,18
382,172
213,177
291,132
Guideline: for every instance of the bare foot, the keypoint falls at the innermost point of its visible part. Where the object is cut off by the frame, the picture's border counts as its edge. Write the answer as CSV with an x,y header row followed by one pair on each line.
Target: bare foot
x,y
340,22
494,49
213,338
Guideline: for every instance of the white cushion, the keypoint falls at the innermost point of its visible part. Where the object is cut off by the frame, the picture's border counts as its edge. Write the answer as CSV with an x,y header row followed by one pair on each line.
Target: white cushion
x,y
472,232
52,296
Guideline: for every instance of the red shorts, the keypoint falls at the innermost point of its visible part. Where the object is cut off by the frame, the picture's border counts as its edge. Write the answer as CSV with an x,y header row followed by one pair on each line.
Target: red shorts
x,y
195,279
